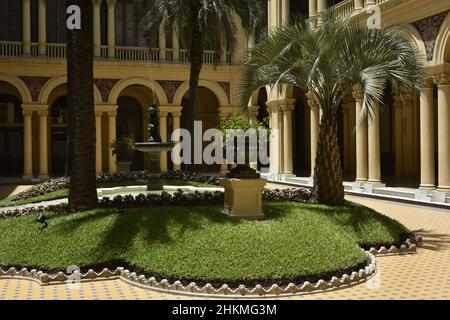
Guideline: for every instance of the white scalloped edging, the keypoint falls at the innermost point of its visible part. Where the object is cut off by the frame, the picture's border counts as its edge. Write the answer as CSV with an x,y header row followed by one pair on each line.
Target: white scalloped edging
x,y
192,289
164,285
408,247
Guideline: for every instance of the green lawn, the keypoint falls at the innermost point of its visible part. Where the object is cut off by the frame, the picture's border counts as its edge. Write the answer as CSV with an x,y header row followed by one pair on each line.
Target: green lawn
x,y
200,243
65,192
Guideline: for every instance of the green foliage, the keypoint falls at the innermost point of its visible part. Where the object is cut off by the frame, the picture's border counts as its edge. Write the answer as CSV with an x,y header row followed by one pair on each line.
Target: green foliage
x,y
123,148
200,243
332,60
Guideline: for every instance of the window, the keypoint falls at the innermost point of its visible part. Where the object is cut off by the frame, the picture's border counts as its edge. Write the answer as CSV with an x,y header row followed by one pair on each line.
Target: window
x,y
11,20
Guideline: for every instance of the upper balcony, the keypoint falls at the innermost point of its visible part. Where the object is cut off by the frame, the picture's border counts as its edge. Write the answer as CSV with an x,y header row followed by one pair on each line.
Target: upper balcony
x,y
57,51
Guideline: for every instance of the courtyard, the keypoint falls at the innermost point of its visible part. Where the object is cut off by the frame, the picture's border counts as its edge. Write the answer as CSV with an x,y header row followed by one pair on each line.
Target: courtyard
x,y
424,275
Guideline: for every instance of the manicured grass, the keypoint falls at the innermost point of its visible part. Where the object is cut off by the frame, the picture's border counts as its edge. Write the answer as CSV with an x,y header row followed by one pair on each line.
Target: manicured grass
x,y
200,243
65,192
46,197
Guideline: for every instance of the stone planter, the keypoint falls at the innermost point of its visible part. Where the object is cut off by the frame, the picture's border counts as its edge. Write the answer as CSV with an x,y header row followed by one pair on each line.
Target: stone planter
x,y
123,166
243,198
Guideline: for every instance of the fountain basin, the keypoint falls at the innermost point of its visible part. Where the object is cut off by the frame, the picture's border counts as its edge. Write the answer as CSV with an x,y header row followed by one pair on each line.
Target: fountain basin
x,y
149,147
136,190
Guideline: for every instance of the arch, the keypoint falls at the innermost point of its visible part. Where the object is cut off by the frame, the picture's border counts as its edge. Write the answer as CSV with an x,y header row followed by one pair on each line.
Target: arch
x,y
21,87
150,84
253,101
413,35
442,46
213,86
53,83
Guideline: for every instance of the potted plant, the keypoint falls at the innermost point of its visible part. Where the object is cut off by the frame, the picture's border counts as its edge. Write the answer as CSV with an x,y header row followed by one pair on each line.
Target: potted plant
x,y
228,127
123,149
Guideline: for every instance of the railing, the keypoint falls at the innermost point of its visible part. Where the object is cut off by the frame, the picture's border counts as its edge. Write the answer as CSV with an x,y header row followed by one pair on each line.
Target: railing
x,y
10,48
137,54
345,8
129,54
56,50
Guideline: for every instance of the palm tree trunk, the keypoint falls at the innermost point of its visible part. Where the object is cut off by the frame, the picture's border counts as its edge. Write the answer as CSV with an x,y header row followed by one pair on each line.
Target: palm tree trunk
x,y
196,61
328,188
82,192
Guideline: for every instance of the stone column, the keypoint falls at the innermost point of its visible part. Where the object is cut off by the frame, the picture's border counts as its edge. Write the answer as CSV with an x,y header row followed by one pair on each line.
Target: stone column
x,y
162,42
111,29
26,27
176,125
427,178
374,147
370,2
288,107
27,143
274,147
312,8
361,139
322,5
42,28
43,144
112,114
443,83
315,124
175,44
163,134
96,27
98,141
359,4
285,10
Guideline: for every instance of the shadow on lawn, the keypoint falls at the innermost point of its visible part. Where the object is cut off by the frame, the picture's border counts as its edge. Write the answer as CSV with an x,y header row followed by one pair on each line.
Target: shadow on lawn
x,y
156,225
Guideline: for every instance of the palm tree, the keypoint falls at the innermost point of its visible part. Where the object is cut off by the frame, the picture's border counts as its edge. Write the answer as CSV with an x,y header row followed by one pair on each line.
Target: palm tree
x,y
200,24
329,62
80,100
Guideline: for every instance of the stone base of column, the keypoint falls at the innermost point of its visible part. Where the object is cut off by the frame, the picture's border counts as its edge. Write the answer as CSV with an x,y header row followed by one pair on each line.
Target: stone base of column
x,y
27,177
376,183
440,196
427,187
444,189
286,175
43,177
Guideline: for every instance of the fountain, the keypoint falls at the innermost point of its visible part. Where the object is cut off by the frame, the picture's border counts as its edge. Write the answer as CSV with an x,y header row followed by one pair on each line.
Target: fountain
x,y
154,146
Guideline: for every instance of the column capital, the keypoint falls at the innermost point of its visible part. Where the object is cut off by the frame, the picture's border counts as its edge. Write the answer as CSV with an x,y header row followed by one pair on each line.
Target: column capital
x,y
429,83
106,108
312,100
358,93
111,3
273,106
34,107
170,109
162,114
226,111
96,2
287,104
442,80
43,113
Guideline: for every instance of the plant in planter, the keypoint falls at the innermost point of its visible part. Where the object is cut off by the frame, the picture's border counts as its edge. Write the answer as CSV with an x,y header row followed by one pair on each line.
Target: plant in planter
x,y
123,149
239,129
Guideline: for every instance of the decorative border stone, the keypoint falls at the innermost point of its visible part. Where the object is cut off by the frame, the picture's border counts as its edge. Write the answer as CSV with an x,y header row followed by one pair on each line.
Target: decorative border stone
x,y
132,278
410,246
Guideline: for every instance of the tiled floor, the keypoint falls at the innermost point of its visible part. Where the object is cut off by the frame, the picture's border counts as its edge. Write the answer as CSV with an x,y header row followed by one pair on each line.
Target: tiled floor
x,y
425,275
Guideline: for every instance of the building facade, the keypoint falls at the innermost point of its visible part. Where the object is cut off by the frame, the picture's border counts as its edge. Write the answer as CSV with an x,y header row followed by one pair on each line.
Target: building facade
x,y
408,144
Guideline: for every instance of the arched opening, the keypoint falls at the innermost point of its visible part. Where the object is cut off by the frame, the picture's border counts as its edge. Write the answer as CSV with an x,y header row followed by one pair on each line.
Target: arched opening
x,y
301,134
399,140
207,114
58,135
132,120
11,132
130,123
